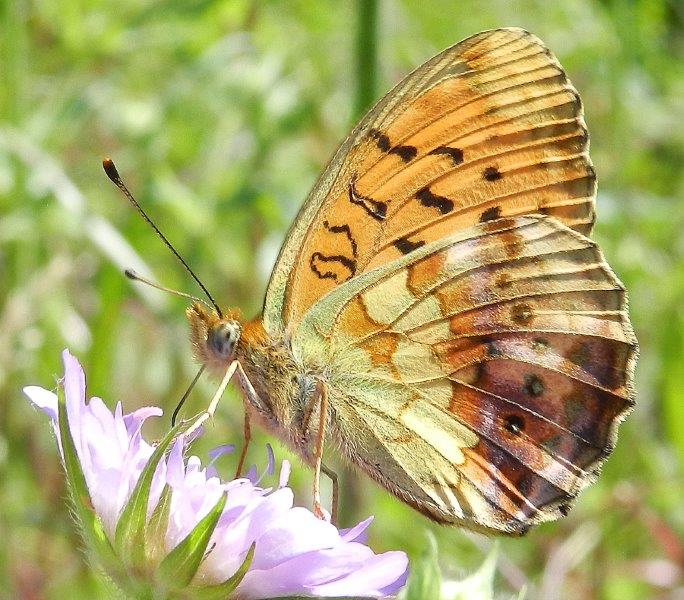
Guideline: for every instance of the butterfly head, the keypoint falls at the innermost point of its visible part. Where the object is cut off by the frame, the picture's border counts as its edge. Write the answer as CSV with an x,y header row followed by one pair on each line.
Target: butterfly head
x,y
214,339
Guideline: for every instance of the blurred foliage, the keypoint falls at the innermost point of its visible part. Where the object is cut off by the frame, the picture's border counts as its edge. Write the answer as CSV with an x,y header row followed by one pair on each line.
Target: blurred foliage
x,y
220,114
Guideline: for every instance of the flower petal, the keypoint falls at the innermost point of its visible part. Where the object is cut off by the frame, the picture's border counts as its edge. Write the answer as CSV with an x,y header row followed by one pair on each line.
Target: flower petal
x,y
378,575
285,469
220,451
358,532
43,399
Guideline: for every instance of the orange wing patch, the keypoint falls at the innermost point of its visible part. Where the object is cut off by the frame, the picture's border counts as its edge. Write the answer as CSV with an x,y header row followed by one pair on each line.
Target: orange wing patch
x,y
488,129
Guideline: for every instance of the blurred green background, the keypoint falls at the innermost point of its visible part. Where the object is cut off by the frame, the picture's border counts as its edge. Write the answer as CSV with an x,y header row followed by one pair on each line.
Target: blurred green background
x,y
220,115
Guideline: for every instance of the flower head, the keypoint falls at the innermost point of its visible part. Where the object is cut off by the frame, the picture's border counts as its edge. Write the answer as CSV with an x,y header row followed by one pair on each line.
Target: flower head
x,y
164,525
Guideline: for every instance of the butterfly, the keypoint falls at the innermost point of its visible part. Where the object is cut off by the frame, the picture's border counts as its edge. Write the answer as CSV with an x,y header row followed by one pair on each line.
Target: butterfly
x,y
437,312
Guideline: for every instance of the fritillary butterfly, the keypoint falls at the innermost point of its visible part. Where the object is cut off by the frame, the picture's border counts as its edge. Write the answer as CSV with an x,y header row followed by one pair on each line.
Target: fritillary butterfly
x,y
437,310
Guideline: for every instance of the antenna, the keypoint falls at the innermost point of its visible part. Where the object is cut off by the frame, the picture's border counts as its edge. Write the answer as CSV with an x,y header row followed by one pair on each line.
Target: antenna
x,y
176,410
135,276
113,174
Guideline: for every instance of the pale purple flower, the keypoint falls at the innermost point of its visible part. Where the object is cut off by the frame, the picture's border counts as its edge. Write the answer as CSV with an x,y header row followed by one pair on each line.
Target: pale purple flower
x,y
294,552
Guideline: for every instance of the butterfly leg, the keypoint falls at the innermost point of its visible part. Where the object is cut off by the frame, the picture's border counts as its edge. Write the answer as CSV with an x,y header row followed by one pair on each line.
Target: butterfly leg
x,y
306,417
321,395
250,397
211,409
245,445
335,492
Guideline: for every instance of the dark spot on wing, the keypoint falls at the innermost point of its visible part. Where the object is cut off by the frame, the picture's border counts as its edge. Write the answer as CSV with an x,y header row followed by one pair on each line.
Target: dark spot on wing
x,y
540,344
533,386
492,213
442,204
503,280
407,153
514,424
522,314
375,208
456,154
580,354
573,407
512,241
491,174
381,139
493,350
404,245
500,225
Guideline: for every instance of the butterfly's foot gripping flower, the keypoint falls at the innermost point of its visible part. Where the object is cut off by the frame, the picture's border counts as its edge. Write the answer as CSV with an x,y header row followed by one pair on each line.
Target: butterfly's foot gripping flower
x,y
162,526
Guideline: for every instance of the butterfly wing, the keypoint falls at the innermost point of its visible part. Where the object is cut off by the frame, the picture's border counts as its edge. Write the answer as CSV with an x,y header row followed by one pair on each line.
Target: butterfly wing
x,y
490,127
482,377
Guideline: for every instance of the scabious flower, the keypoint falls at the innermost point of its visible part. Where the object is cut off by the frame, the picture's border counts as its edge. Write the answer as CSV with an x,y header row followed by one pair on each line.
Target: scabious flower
x,y
163,526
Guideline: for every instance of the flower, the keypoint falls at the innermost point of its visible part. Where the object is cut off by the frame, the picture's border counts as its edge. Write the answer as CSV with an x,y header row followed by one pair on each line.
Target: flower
x,y
165,526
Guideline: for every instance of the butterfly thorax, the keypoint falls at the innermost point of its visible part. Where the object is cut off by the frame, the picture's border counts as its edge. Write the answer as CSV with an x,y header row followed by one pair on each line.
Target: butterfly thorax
x,y
277,388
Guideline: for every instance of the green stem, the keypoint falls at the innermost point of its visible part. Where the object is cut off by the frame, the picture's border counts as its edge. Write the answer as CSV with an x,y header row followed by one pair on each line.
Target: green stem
x,y
366,55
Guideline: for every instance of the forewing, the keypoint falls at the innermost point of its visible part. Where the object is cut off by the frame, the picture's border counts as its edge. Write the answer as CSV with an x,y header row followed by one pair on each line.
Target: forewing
x,y
490,127
482,377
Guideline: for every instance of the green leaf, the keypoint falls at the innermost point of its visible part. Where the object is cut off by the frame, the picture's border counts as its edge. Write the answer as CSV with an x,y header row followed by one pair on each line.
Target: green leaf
x,y
222,590
425,580
91,526
180,565
129,538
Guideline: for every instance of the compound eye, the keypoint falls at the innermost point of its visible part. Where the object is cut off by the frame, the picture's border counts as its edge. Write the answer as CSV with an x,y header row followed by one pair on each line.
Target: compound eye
x,y
222,340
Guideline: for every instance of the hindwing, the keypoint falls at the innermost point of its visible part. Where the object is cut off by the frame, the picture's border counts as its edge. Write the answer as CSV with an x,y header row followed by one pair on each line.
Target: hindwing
x,y
482,377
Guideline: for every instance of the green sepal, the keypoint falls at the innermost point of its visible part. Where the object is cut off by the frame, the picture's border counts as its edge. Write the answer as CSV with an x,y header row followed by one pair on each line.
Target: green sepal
x,y
155,532
129,538
425,580
91,526
180,565
222,590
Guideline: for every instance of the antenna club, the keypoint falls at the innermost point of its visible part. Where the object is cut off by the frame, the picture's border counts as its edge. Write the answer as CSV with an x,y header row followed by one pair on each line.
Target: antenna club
x,y
131,274
110,168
